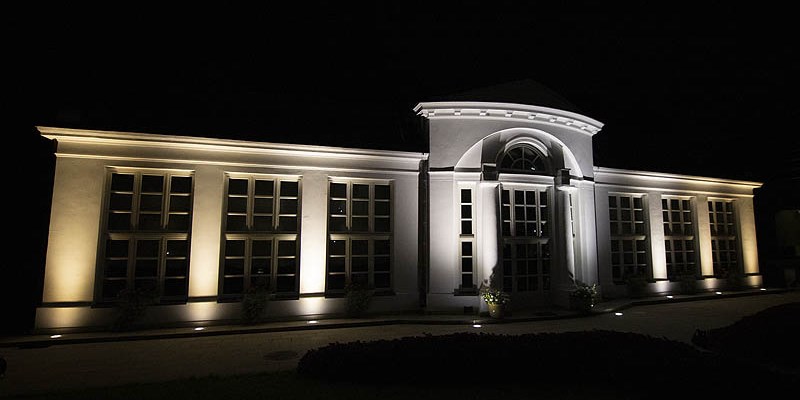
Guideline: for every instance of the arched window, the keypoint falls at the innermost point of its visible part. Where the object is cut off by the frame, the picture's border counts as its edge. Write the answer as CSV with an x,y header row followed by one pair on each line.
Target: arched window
x,y
523,159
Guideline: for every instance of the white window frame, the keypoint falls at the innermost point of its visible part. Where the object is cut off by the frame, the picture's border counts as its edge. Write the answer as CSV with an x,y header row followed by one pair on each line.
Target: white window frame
x,y
250,234
466,237
371,235
638,239
684,238
544,280
729,238
134,234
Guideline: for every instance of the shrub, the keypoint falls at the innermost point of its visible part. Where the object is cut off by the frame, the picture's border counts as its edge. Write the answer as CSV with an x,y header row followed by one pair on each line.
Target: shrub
x,y
636,285
254,303
763,337
358,298
493,295
130,306
624,362
688,283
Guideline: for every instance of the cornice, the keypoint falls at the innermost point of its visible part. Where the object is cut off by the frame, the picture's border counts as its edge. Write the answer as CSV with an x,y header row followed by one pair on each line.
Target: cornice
x,y
508,111
213,144
667,177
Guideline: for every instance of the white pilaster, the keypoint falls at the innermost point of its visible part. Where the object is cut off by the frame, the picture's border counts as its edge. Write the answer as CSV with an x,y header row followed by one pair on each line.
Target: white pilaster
x,y
74,228
488,233
705,258
746,225
657,249
204,260
313,229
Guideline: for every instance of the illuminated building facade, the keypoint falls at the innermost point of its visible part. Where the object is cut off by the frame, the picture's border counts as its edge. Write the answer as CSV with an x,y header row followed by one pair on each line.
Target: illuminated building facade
x,y
508,193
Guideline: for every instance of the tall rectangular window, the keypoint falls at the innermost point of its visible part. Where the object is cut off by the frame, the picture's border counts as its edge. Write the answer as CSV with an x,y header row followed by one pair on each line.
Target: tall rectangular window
x,y
261,235
466,249
628,237
679,237
148,217
360,235
724,248
526,233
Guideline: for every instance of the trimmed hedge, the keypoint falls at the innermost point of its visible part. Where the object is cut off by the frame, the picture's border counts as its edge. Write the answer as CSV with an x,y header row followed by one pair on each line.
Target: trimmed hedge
x,y
768,337
625,362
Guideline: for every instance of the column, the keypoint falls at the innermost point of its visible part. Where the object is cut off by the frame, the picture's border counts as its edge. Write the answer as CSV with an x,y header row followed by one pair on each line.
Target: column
x,y
313,232
746,225
75,217
488,235
209,194
566,237
705,258
657,249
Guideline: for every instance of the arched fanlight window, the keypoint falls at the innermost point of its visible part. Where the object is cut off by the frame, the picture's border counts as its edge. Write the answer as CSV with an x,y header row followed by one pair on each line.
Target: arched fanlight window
x,y
523,159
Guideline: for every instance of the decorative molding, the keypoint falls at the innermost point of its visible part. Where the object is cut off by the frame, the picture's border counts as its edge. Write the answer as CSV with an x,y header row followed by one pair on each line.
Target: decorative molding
x,y
506,111
665,177
224,145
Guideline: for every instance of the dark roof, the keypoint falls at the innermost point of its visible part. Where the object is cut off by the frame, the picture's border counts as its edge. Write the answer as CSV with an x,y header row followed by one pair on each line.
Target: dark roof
x,y
525,91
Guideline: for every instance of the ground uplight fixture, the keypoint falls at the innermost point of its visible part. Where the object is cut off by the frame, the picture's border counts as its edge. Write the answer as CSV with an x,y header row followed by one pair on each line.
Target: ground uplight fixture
x,y
669,297
55,336
313,322
718,292
619,314
199,328
762,289
476,325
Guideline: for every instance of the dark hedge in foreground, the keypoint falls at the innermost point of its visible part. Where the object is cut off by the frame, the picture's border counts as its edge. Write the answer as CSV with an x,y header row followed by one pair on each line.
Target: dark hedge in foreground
x,y
627,362
768,337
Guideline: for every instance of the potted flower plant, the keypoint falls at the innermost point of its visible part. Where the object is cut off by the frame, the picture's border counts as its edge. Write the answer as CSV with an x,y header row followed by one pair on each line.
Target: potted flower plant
x,y
496,299
582,297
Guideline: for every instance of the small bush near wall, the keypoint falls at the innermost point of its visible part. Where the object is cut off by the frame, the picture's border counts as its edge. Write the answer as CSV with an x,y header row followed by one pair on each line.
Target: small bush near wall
x,y
688,283
358,298
254,303
130,308
636,284
734,280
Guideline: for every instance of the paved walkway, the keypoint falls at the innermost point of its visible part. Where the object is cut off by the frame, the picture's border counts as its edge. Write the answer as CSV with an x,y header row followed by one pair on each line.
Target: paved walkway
x,y
39,364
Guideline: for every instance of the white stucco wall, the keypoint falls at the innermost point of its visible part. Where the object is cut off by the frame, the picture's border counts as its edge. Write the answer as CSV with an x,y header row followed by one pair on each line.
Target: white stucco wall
x,y
83,159
74,230
654,186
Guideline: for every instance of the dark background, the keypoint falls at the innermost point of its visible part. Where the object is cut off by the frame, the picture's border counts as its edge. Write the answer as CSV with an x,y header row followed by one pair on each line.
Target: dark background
x,y
705,91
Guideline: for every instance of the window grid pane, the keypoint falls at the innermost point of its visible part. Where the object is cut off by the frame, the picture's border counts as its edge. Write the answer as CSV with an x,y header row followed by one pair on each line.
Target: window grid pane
x,y
724,246
526,230
679,238
146,234
360,219
628,237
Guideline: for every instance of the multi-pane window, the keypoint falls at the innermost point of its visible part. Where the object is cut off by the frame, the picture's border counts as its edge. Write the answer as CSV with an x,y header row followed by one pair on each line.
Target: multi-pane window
x,y
525,214
261,235
147,234
364,260
467,241
526,266
360,227
723,237
523,159
628,236
678,237
526,231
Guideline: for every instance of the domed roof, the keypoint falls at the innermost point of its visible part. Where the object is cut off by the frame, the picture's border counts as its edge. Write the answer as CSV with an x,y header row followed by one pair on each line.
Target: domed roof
x,y
525,91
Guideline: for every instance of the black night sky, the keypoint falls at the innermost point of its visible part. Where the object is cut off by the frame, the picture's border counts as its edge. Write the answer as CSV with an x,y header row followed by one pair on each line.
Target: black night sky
x,y
707,92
